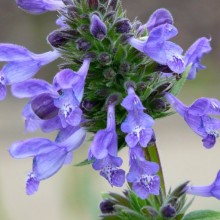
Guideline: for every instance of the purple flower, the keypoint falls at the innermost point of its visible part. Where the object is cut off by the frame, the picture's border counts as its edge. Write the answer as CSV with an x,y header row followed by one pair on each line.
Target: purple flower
x,y
40,6
104,150
21,64
212,190
194,55
108,167
97,27
159,49
48,156
105,141
159,17
197,117
62,98
137,124
142,174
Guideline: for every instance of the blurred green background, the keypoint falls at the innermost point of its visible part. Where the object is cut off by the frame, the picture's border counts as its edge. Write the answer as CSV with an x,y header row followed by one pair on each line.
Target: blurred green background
x,y
74,193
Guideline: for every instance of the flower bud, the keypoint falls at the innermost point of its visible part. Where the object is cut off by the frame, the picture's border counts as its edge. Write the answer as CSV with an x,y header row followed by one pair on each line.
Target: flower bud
x,y
82,44
109,73
57,38
97,27
158,105
113,99
124,67
123,26
88,105
107,206
168,211
104,59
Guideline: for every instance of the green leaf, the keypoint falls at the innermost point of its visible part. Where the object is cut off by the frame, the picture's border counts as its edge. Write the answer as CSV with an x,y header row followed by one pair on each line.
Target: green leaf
x,y
202,215
180,83
84,163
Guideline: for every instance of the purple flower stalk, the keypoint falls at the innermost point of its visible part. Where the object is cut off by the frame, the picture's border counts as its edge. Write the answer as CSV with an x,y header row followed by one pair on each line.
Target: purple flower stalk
x,y
197,117
97,27
212,190
48,156
40,6
137,124
21,64
194,55
142,174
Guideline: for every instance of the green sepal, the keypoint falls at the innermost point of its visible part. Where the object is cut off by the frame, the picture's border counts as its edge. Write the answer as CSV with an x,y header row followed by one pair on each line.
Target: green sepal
x,y
180,83
84,163
202,215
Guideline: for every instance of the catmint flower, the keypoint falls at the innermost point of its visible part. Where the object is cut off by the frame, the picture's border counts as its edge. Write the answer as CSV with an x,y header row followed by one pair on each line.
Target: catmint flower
x,y
212,190
48,156
40,6
142,174
97,27
137,124
197,117
104,150
105,141
62,98
159,17
159,49
194,55
21,64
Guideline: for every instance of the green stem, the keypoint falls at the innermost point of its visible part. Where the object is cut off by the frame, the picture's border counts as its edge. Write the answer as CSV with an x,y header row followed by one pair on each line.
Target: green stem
x,y
151,154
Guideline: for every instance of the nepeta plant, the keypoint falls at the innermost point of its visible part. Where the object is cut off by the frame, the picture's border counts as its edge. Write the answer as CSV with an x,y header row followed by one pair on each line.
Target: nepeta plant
x,y
116,78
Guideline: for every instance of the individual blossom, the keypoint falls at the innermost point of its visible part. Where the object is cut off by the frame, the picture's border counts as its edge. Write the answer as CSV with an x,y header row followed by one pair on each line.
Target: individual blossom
x,y
40,6
137,124
97,27
104,150
62,98
142,174
194,55
48,156
212,190
197,116
21,64
158,47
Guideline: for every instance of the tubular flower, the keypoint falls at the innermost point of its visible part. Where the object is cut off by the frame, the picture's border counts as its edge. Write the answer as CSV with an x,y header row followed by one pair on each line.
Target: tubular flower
x,y
137,124
194,55
48,156
198,119
21,64
40,6
104,150
212,190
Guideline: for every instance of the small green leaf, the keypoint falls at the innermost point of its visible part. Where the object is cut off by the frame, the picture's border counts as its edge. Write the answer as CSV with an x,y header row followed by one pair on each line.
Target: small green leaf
x,y
180,83
84,163
203,215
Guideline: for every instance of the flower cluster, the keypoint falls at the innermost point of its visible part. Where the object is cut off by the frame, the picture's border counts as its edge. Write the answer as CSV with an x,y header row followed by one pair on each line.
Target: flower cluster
x,y
114,70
